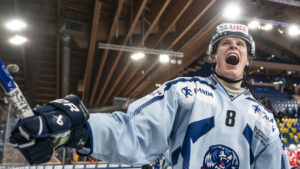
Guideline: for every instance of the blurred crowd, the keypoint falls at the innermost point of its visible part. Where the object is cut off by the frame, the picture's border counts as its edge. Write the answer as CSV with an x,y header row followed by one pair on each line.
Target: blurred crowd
x,y
294,156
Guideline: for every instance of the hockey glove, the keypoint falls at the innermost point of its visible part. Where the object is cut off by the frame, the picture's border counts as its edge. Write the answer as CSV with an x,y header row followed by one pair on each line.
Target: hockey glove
x,y
58,123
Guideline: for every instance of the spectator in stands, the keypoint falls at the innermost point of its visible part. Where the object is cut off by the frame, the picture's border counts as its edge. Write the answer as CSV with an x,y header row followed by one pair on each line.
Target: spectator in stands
x,y
280,115
294,113
290,89
282,88
268,104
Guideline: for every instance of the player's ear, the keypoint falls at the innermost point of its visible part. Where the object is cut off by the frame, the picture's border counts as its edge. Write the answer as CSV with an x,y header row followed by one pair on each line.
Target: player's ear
x,y
213,58
248,61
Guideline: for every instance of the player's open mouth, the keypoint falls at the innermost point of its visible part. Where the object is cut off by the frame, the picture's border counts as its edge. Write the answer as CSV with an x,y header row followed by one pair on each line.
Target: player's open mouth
x,y
232,59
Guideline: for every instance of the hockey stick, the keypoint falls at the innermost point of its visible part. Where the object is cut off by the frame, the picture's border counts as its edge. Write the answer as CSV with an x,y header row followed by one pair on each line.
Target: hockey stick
x,y
14,98
13,94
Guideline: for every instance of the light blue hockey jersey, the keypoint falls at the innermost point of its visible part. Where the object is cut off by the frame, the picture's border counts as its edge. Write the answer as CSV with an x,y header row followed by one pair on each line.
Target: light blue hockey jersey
x,y
197,121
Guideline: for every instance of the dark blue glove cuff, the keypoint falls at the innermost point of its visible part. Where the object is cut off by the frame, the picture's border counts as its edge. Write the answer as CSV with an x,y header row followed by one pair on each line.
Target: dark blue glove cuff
x,y
87,149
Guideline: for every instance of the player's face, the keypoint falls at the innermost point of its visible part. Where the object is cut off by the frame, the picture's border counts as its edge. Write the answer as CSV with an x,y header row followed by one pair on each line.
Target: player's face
x,y
231,58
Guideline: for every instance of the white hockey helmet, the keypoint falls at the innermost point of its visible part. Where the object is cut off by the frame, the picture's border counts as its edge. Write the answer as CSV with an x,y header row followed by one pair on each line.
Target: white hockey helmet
x,y
232,30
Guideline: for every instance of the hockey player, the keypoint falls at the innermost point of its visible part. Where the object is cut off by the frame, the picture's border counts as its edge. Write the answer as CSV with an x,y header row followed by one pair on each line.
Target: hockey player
x,y
205,123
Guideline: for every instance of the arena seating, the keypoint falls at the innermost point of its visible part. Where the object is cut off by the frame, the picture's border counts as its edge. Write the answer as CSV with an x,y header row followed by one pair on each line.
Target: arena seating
x,y
284,104
260,78
281,102
290,130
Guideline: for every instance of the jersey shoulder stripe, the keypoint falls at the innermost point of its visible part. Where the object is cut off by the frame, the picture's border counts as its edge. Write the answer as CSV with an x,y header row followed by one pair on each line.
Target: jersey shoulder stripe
x,y
159,93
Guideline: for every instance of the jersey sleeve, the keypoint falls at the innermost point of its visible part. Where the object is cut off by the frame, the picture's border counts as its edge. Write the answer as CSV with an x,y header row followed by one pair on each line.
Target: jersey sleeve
x,y
273,156
141,135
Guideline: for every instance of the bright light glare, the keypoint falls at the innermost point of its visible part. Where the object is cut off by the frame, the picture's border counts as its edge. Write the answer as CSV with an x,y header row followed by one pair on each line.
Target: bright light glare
x,y
164,58
268,27
280,30
15,25
173,61
253,25
138,56
294,30
232,11
17,40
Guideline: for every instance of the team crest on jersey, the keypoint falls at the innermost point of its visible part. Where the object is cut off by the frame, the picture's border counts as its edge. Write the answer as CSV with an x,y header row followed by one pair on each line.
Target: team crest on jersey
x,y
220,157
189,92
202,91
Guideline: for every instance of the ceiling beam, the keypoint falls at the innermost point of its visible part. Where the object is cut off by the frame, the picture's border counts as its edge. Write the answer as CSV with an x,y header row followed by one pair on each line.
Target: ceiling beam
x,y
172,24
191,53
189,26
118,57
91,52
154,18
82,39
292,14
105,53
174,13
279,42
179,36
153,24
161,5
287,2
267,49
279,52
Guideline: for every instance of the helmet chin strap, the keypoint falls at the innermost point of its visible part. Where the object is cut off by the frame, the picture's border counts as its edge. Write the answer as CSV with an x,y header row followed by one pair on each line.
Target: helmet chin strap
x,y
246,70
227,79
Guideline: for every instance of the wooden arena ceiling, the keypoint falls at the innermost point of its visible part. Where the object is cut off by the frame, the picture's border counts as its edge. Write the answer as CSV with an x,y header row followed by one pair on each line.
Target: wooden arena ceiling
x,y
98,75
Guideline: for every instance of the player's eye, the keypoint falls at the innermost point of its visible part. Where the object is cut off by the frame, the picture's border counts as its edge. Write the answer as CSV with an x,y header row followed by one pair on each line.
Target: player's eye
x,y
240,44
225,42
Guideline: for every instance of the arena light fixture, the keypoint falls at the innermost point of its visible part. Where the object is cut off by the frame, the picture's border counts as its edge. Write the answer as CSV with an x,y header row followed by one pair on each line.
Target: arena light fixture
x,y
282,27
138,49
173,61
15,25
232,11
253,24
138,56
164,58
293,30
18,40
267,27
